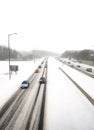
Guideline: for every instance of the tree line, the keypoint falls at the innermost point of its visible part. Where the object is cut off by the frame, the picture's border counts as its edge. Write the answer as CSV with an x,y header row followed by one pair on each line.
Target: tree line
x,y
4,53
79,55
15,55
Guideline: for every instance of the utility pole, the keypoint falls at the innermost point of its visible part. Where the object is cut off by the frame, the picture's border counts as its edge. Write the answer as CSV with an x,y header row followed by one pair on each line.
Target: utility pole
x,y
9,51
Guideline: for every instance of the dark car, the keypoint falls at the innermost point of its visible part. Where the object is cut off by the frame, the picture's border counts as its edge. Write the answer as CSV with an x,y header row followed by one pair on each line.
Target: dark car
x,y
39,67
78,66
25,84
89,69
46,66
42,80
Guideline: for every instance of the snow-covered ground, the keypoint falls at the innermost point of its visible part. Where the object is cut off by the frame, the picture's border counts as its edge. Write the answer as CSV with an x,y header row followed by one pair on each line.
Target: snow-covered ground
x,y
84,81
66,107
8,87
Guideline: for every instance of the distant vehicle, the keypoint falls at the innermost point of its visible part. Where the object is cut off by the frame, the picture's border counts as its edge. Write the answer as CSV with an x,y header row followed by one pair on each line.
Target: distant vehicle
x,y
68,62
78,66
42,80
39,66
25,84
89,69
42,62
46,66
36,71
64,61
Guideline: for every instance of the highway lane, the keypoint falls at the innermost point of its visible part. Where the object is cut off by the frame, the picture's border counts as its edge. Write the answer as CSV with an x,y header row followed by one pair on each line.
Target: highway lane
x,y
23,113
66,108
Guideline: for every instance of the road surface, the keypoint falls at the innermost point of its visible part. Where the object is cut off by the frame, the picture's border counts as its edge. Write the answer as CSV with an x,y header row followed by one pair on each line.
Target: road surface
x,y
66,108
57,105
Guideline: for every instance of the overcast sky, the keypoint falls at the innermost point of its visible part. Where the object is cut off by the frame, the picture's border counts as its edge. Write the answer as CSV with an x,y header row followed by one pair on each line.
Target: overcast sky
x,y
54,25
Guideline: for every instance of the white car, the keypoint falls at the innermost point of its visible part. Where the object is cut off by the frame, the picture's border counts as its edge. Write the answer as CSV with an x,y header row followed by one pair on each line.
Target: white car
x,y
25,84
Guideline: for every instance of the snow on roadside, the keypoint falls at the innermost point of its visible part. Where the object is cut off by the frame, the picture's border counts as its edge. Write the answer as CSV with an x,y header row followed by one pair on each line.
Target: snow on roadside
x,y
8,87
83,80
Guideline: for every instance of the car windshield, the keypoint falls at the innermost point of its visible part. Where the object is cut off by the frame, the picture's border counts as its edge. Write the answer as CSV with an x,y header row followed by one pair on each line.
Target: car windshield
x,y
24,82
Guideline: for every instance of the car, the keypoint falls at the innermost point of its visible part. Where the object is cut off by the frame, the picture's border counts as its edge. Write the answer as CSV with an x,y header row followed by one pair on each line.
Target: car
x,y
46,66
42,80
42,62
78,66
89,69
25,84
68,62
36,71
39,66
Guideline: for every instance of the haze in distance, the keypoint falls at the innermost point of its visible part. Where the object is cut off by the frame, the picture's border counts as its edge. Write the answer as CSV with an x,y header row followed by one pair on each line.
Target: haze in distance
x,y
47,25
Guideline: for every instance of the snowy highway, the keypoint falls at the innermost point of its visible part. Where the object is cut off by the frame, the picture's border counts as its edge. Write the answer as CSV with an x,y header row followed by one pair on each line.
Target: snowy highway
x,y
66,107
25,106
58,105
